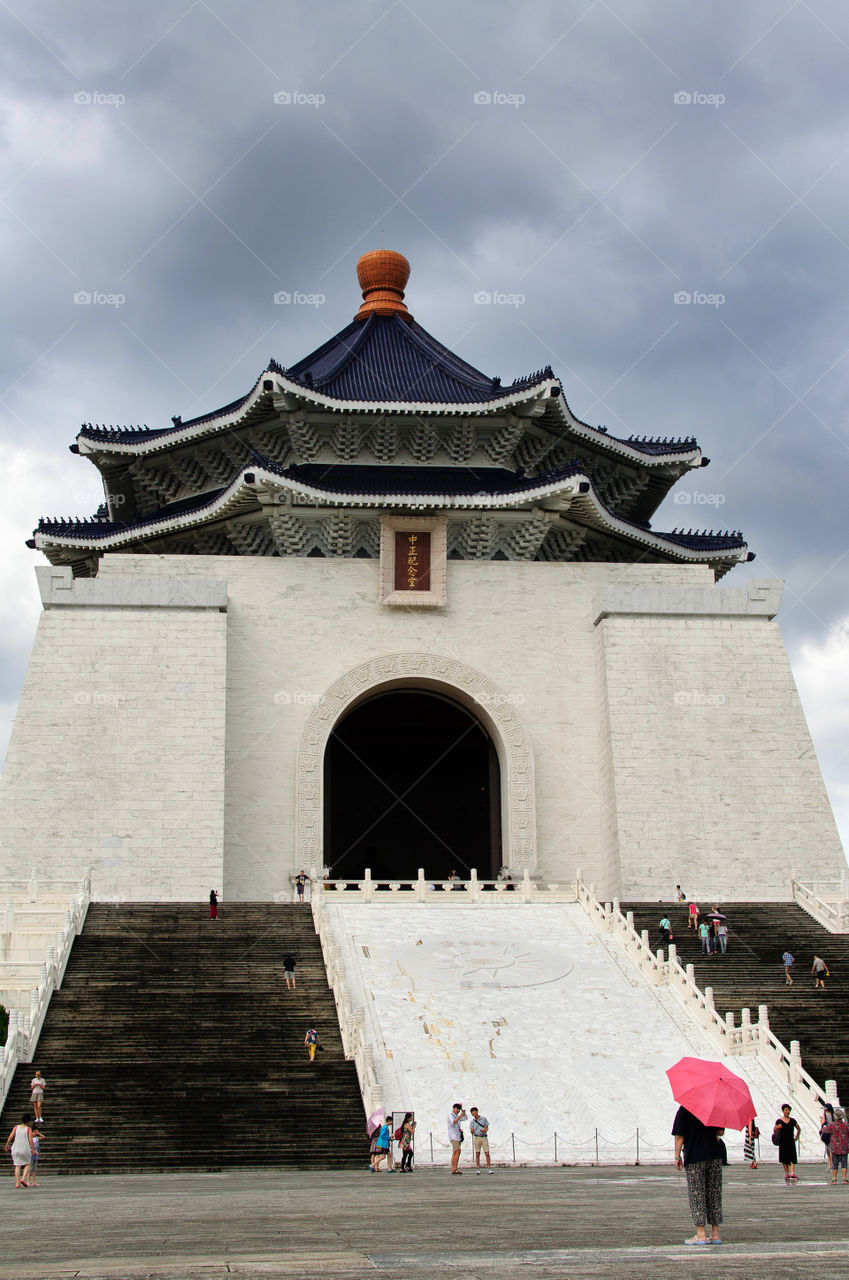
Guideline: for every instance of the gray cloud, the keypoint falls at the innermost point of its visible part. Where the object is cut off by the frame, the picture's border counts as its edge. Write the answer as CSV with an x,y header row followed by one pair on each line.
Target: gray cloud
x,y
597,198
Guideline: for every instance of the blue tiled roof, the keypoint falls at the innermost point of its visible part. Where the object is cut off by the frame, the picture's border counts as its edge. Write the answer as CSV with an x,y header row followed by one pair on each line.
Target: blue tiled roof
x,y
98,526
705,539
385,358
662,444
416,481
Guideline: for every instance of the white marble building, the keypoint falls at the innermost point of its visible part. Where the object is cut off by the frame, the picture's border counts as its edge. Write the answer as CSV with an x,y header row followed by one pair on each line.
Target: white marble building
x,y
383,611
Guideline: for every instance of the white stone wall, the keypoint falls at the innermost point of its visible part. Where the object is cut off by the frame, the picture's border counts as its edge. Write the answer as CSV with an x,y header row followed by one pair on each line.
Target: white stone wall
x,y
588,658
116,760
716,782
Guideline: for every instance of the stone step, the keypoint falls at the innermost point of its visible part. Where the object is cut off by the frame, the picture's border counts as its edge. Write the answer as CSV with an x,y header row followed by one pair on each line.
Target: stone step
x,y
751,973
171,1042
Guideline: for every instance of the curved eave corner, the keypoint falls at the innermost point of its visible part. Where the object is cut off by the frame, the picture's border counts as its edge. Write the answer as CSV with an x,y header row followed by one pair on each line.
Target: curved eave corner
x,y
686,458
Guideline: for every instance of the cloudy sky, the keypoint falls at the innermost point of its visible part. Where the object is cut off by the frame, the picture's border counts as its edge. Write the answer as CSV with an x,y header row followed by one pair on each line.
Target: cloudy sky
x,y
653,195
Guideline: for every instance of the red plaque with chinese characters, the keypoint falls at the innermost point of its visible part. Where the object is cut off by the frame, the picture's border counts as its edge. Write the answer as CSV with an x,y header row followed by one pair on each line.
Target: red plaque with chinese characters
x,y
412,561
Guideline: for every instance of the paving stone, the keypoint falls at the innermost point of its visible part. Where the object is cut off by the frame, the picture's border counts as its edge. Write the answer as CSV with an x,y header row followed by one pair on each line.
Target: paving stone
x,y
340,1224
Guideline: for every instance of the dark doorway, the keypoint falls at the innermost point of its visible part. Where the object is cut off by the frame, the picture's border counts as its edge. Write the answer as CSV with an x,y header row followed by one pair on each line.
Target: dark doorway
x,y
411,780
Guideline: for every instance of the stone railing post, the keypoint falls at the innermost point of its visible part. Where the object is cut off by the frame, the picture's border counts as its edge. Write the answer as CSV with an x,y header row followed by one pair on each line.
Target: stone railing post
x,y
673,955
368,886
33,1006
795,1064
645,939
474,887
420,888
33,884
831,1092
10,916
24,1044
527,887
691,975
629,917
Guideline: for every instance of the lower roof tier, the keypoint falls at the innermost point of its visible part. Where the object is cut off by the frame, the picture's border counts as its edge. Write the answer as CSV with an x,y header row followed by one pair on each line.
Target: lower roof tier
x,y
318,510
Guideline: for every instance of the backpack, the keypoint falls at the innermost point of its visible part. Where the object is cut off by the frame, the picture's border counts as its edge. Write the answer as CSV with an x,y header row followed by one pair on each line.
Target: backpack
x,y
399,1133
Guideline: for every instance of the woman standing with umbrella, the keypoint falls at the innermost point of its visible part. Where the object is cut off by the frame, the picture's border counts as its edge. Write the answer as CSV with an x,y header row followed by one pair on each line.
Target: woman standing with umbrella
x,y
698,1153
784,1135
712,1098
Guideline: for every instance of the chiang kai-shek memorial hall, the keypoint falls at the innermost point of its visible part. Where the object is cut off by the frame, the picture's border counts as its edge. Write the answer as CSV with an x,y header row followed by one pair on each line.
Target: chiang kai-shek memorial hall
x,y
383,611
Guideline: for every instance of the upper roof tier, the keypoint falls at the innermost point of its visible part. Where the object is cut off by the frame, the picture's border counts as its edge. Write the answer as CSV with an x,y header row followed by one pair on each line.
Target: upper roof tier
x,y
392,360
382,361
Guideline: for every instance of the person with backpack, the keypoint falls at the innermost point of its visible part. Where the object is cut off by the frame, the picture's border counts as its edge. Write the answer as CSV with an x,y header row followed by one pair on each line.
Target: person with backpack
x,y
383,1148
404,1134
312,1042
456,1135
665,927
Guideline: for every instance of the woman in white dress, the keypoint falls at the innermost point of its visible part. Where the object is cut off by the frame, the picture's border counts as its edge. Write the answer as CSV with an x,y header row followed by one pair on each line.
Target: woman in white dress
x,y
20,1141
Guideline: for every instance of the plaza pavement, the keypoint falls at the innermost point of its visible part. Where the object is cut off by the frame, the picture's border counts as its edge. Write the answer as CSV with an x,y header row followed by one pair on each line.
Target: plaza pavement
x,y
581,1222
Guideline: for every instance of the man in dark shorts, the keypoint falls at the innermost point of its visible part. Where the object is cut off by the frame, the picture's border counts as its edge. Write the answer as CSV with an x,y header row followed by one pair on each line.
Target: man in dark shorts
x,y
300,883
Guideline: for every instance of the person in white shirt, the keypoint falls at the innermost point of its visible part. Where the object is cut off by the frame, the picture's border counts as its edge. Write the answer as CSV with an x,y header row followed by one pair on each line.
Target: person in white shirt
x,y
455,1134
37,1086
479,1128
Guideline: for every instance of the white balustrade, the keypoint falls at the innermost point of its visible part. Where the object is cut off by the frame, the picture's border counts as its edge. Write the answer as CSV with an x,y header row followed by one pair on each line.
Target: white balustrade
x,y
826,901
352,1025
25,1028
783,1065
471,892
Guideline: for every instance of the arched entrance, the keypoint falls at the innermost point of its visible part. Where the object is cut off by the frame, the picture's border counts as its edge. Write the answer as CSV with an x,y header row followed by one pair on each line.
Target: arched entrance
x,y
411,779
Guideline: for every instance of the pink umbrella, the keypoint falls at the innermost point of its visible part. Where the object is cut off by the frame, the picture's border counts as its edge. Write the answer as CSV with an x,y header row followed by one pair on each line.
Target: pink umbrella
x,y
712,1093
375,1120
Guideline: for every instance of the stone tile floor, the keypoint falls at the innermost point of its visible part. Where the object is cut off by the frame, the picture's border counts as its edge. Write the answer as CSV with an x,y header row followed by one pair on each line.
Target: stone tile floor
x,y
579,1222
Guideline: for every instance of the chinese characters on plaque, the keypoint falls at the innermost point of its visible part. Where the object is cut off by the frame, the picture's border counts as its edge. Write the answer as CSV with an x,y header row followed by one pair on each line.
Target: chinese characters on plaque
x,y
412,561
